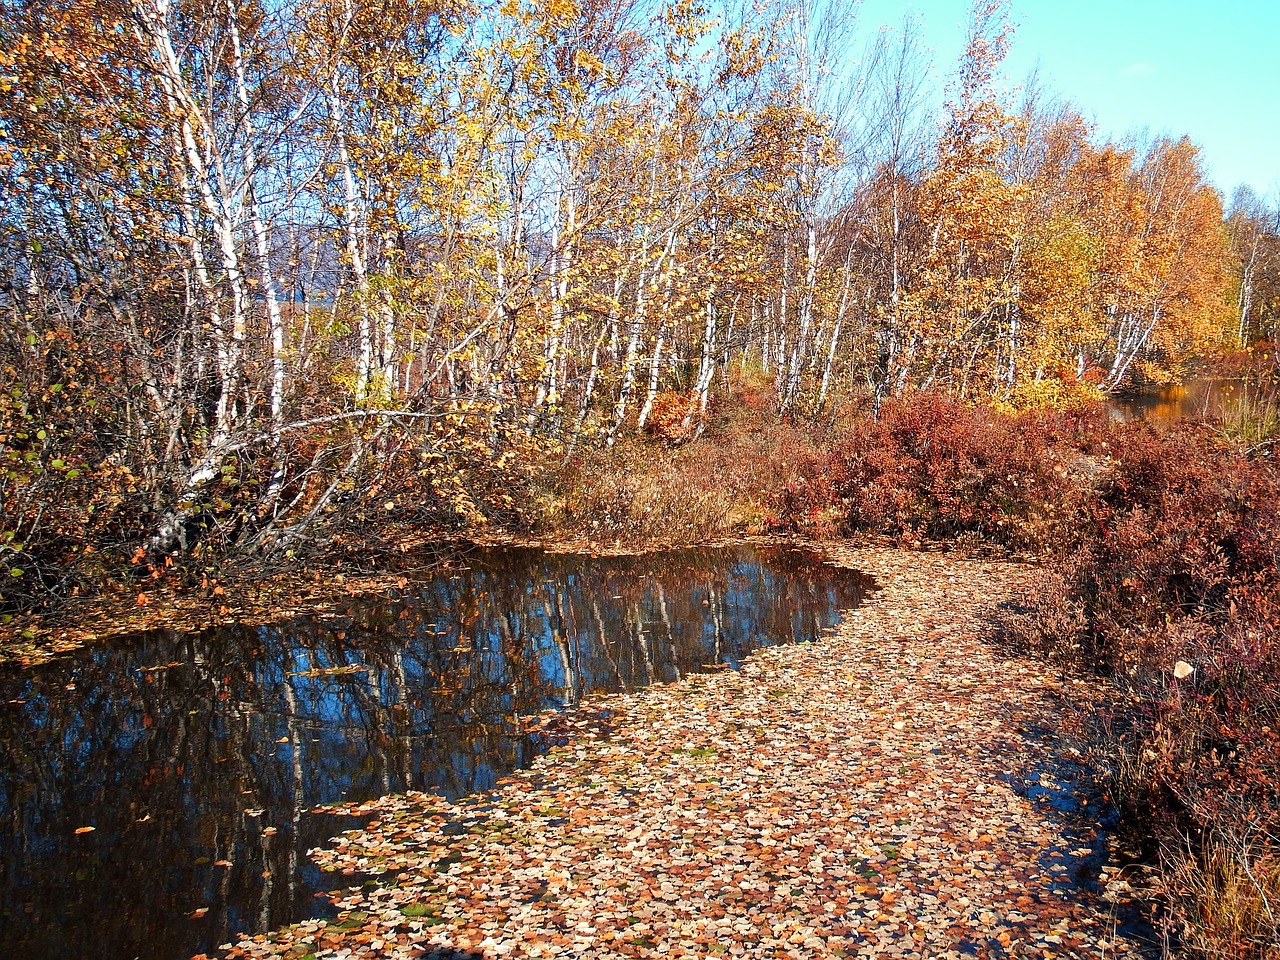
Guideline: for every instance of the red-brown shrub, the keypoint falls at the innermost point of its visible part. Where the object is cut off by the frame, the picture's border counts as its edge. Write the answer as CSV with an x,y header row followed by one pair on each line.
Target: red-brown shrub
x,y
932,467
1173,593
1179,528
673,416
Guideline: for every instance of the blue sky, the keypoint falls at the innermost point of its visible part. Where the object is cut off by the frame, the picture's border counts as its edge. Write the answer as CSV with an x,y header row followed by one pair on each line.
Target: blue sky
x,y
1208,69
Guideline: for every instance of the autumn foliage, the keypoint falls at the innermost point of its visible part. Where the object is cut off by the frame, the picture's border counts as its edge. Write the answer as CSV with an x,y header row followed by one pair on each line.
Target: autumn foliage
x,y
1165,583
932,468
299,255
1169,588
276,278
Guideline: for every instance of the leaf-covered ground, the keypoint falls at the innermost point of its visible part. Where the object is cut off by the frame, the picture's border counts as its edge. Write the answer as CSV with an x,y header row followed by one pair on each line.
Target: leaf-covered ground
x,y
880,793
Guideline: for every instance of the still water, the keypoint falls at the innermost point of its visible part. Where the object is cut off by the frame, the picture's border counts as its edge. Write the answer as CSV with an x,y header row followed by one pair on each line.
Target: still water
x,y
197,758
1202,398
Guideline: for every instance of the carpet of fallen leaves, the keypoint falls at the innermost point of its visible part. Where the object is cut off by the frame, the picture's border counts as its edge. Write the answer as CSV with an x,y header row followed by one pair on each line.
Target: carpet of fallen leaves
x,y
861,796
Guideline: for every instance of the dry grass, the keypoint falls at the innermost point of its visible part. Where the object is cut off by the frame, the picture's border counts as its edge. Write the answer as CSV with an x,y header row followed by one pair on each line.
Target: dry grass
x,y
728,482
1227,895
1253,417
650,492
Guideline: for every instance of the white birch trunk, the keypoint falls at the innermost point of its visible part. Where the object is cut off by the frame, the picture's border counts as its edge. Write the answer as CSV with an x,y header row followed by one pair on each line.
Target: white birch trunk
x,y
354,234
270,290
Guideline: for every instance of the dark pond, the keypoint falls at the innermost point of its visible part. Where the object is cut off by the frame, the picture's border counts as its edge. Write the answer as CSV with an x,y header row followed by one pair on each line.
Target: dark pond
x,y
1200,398
197,757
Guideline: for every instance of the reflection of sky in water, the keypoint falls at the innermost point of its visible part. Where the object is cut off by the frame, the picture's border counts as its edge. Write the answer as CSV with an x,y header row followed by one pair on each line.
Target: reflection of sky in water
x,y
219,759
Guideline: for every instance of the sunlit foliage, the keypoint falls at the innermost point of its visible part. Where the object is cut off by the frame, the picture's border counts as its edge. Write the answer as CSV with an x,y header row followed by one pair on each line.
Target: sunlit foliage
x,y
263,263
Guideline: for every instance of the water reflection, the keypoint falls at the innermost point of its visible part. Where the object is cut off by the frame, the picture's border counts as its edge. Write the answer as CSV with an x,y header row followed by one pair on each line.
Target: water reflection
x,y
196,758
1200,398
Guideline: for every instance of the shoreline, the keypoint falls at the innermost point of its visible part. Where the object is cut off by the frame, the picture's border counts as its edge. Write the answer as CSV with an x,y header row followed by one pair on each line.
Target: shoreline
x,y
873,793
253,597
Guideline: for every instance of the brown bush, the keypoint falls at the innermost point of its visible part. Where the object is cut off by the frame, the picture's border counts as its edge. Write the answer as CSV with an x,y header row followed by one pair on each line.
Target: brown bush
x,y
1173,593
728,481
673,417
930,467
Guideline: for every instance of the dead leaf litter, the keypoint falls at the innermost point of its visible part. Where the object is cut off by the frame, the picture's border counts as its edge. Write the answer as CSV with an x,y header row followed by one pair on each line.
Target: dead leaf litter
x,y
852,797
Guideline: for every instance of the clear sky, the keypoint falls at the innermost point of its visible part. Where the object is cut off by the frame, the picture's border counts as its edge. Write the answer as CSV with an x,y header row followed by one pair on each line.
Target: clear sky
x,y
1209,69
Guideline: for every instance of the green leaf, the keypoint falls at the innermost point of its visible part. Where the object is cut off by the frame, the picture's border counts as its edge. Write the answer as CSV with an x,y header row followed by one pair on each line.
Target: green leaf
x,y
16,571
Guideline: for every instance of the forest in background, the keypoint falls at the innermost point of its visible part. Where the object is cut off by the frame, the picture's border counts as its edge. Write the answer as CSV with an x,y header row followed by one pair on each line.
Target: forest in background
x,y
264,267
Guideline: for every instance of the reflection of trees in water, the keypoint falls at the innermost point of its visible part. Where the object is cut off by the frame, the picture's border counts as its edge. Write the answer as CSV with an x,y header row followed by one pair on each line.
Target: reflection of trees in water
x,y
1200,398
656,617
180,768
221,757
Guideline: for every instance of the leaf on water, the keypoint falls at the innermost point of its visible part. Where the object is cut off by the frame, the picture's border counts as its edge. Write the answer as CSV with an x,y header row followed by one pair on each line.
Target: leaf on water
x,y
332,671
80,830
161,666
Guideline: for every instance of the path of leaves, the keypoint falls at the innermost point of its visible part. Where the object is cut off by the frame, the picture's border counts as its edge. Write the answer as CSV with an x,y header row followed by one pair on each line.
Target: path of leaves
x,y
863,796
